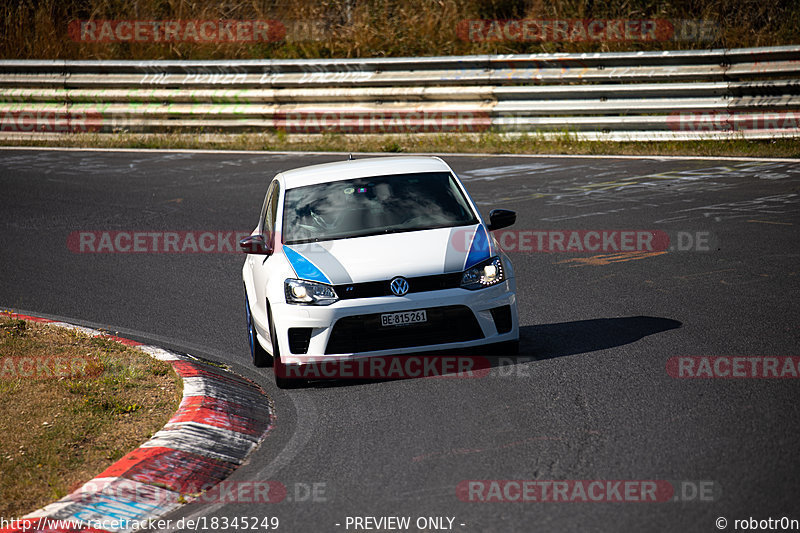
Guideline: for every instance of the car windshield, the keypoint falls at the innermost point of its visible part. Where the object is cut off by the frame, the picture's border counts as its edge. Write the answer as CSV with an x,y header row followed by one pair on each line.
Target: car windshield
x,y
373,206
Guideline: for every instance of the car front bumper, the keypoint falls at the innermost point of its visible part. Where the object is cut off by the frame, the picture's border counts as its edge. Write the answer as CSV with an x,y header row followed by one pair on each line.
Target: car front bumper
x,y
457,319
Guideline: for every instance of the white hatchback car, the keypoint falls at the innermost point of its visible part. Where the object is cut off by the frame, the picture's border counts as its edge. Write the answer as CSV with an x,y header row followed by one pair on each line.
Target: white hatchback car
x,y
374,257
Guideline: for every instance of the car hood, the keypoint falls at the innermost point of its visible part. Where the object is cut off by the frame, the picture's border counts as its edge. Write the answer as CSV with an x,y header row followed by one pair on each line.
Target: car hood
x,y
382,257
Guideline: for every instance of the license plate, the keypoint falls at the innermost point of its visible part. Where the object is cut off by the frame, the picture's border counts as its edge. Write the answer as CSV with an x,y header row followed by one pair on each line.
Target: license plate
x,y
404,318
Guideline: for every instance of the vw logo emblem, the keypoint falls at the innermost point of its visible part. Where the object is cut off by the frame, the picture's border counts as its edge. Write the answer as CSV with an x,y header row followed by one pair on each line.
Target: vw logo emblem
x,y
399,286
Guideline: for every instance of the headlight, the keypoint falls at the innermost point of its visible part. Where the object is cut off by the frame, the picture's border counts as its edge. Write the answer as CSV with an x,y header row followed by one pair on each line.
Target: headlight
x,y
484,274
303,292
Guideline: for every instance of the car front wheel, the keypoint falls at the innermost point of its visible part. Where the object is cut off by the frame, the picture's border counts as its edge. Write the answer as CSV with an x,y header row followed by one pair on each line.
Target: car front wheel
x,y
259,355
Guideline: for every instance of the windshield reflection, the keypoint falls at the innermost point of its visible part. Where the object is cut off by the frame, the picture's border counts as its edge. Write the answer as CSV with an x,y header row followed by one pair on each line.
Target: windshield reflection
x,y
374,205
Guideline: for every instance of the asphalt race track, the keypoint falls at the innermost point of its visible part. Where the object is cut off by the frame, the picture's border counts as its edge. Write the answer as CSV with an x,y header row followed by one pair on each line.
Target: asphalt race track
x,y
589,397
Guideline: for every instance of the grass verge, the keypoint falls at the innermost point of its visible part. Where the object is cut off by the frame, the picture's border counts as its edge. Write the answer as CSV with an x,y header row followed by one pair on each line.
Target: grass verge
x,y
430,143
71,405
375,28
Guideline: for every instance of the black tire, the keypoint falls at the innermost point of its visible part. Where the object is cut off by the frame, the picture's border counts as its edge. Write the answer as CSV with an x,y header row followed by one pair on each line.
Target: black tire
x,y
279,368
258,354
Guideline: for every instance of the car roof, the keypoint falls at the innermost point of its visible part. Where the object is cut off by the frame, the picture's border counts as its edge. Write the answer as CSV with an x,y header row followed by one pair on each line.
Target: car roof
x,y
361,168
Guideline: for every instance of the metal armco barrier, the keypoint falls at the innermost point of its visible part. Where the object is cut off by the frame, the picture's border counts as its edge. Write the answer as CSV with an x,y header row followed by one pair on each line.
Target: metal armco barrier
x,y
751,92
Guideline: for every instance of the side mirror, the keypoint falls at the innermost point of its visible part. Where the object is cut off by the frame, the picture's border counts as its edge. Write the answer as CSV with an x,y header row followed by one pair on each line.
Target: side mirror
x,y
501,218
255,244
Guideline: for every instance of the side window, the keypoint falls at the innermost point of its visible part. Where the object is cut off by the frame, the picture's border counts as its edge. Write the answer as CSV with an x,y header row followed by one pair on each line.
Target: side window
x,y
261,217
271,210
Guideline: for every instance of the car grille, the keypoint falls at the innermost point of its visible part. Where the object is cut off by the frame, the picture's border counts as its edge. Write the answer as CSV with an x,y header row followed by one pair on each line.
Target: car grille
x,y
364,333
372,289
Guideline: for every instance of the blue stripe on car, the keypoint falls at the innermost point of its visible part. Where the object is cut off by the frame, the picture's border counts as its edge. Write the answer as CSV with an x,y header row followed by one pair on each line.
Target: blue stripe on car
x,y
328,264
480,250
304,268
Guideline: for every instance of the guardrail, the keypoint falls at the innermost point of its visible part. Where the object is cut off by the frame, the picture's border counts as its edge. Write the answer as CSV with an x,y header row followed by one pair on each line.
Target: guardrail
x,y
752,92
